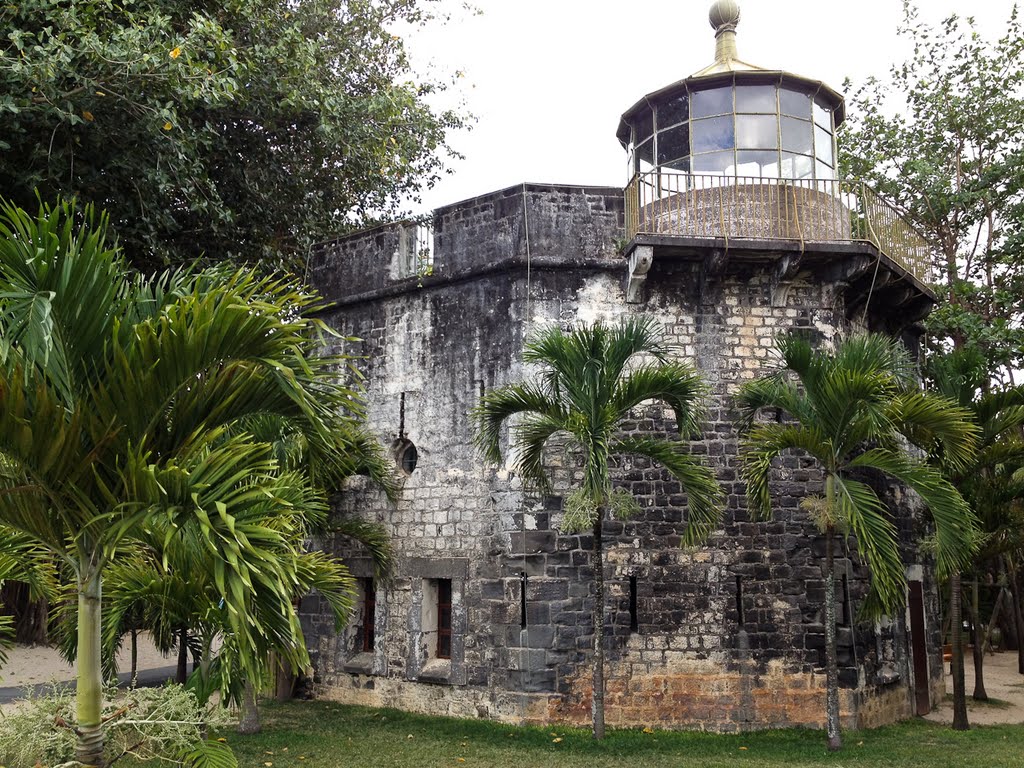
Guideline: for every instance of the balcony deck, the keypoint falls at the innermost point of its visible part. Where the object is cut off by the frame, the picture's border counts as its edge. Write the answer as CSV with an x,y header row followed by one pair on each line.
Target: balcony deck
x,y
693,208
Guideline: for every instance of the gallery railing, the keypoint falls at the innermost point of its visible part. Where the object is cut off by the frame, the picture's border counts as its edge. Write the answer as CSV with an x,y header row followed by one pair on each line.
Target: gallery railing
x,y
805,210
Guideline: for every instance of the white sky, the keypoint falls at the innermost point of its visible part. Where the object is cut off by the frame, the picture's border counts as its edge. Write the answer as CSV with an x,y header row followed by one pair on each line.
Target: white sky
x,y
549,79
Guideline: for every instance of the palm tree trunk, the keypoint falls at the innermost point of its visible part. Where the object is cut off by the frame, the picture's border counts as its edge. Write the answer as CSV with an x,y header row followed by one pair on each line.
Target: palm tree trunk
x,y
957,666
89,694
1018,615
835,741
249,721
182,674
135,657
597,698
284,683
978,652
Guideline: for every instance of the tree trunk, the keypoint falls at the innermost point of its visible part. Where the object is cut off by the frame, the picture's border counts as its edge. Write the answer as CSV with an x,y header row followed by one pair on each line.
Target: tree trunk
x,y
249,719
182,674
978,652
285,682
993,621
597,698
31,617
135,658
89,694
835,741
957,666
1017,616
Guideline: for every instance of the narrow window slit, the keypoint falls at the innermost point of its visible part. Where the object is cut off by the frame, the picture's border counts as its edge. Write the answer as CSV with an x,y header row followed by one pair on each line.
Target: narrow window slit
x,y
522,599
401,417
846,603
444,619
634,623
369,614
740,618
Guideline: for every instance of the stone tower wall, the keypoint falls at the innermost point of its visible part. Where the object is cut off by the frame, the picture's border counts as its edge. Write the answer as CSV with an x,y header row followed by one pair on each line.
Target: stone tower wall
x,y
506,264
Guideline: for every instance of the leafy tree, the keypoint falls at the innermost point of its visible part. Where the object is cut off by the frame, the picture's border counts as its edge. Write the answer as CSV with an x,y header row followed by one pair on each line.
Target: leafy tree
x,y
941,138
236,130
120,402
588,383
852,410
989,482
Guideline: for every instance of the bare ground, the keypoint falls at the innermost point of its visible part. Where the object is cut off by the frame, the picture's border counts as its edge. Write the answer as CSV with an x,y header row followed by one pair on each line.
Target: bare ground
x,y
1005,688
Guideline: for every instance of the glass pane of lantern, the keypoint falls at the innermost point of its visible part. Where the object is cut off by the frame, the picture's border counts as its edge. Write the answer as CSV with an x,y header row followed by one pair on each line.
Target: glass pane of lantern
x,y
796,135
796,166
682,166
673,143
714,133
759,165
823,116
823,145
714,163
716,101
756,98
643,125
795,103
757,131
645,156
674,111
823,171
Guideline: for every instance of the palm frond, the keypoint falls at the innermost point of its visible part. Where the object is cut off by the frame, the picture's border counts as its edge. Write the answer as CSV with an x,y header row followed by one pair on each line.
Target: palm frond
x,y
864,515
933,421
500,404
677,384
956,524
374,538
763,444
703,494
532,436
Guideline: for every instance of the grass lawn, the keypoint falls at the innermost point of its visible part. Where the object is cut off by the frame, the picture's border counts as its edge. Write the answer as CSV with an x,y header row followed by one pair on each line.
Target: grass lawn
x,y
315,734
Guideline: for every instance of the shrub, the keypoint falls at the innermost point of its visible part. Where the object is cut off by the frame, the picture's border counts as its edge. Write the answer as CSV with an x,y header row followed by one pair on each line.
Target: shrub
x,y
141,724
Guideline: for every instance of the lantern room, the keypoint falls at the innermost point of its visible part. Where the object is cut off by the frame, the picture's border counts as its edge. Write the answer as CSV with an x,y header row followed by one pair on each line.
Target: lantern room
x,y
735,119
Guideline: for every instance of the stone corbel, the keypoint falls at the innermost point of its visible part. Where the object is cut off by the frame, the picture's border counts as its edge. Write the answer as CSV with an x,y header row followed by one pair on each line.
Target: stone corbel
x,y
640,261
785,271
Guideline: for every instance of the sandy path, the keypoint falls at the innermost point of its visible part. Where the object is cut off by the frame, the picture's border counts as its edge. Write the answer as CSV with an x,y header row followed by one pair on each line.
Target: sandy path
x,y
41,664
1002,681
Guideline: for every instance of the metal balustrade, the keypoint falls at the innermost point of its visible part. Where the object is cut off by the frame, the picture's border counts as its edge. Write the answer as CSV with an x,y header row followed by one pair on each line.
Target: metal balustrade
x,y
805,210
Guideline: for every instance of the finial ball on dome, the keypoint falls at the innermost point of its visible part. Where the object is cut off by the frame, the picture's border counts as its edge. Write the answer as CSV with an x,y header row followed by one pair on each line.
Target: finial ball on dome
x,y
724,13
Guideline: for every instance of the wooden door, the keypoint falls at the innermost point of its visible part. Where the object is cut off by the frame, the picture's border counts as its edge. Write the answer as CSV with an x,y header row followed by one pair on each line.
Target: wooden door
x,y
919,648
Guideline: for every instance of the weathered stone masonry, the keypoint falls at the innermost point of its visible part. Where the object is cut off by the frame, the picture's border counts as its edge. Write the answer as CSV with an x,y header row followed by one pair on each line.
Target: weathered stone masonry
x,y
514,261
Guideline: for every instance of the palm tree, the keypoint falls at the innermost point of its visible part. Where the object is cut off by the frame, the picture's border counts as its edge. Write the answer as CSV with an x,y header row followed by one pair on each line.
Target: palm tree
x,y
853,411
990,484
120,398
587,384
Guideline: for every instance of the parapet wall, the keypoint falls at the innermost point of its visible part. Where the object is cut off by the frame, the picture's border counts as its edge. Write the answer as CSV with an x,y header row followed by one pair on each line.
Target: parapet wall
x,y
536,223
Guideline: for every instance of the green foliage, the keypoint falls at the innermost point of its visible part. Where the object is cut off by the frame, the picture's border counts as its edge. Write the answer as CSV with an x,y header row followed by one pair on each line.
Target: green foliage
x,y
122,433
165,724
237,130
992,481
21,559
853,411
941,138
